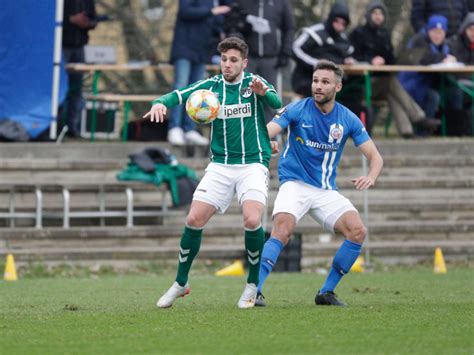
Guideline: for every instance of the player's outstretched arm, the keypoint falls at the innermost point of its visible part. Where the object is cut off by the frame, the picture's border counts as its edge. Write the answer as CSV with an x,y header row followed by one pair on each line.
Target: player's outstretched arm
x,y
160,105
157,113
375,160
273,129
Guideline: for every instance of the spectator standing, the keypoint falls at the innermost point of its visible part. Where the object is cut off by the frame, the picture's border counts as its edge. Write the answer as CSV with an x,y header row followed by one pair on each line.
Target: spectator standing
x,y
428,47
372,44
78,19
453,10
325,40
190,52
269,35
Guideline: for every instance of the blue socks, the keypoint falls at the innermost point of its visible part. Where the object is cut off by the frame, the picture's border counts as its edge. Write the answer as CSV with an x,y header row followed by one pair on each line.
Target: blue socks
x,y
271,251
341,264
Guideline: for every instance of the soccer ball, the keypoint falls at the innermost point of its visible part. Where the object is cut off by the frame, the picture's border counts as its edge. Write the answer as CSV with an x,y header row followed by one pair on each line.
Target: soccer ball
x,y
203,106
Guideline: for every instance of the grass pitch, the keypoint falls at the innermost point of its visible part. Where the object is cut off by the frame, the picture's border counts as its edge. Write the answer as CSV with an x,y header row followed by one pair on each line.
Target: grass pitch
x,y
400,312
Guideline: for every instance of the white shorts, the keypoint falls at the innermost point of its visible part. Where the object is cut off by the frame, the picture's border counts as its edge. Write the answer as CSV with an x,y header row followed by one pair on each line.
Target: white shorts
x,y
324,206
220,182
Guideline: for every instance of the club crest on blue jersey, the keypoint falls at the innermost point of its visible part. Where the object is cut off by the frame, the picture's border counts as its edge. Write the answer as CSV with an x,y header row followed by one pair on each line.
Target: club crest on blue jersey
x,y
246,92
336,132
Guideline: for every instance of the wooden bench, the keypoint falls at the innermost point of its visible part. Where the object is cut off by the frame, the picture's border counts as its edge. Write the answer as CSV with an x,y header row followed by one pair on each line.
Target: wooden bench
x,y
121,99
125,100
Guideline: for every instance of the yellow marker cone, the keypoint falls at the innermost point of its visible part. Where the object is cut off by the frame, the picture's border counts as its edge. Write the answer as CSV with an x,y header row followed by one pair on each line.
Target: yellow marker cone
x,y
358,265
234,269
439,264
10,270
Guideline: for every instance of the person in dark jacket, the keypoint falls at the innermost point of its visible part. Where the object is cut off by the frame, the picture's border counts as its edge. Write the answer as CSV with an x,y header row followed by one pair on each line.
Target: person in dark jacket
x,y
462,44
453,10
79,18
269,33
470,5
462,47
190,52
427,47
372,44
326,40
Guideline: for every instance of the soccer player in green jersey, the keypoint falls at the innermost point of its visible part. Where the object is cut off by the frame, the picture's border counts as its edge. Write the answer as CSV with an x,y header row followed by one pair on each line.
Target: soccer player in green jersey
x,y
240,154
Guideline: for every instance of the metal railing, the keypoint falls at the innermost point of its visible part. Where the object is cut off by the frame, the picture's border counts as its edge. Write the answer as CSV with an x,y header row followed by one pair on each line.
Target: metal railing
x,y
39,212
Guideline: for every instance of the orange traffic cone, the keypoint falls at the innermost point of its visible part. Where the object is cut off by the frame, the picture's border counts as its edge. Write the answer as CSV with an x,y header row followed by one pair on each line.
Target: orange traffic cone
x,y
10,270
439,264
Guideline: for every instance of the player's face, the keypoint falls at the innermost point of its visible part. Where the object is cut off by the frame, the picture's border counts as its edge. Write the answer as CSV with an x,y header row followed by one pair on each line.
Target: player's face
x,y
324,86
232,65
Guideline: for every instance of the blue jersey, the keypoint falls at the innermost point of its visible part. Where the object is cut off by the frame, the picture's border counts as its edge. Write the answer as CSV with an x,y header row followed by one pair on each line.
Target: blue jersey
x,y
316,141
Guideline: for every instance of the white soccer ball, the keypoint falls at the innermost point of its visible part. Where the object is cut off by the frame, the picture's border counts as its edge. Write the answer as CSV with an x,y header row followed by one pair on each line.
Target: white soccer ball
x,y
203,106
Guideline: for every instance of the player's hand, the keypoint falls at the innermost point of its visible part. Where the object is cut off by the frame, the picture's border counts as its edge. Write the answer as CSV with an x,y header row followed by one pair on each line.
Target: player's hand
x,y
274,145
363,182
258,87
81,20
157,113
350,61
220,10
378,60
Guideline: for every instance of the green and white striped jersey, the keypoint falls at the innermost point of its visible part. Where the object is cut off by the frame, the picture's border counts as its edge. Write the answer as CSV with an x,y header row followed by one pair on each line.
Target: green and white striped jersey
x,y
239,134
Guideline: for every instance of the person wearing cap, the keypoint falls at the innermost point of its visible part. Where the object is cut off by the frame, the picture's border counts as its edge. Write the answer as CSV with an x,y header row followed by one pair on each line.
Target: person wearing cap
x,y
373,45
427,47
453,10
325,40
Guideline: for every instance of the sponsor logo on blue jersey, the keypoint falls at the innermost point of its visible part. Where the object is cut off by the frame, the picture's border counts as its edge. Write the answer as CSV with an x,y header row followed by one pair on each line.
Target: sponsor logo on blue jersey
x,y
325,147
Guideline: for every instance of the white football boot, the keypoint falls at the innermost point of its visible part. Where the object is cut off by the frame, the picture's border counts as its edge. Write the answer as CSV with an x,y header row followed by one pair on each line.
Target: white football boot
x,y
172,294
247,300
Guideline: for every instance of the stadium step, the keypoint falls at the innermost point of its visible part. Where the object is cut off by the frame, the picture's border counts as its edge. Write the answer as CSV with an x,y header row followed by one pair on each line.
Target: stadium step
x,y
423,197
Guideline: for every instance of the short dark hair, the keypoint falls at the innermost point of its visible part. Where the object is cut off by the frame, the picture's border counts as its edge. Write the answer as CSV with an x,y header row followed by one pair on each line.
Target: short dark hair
x,y
234,43
328,65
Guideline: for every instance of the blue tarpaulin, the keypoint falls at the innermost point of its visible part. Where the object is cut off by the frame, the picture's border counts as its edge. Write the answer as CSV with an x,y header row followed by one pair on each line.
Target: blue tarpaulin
x,y
26,63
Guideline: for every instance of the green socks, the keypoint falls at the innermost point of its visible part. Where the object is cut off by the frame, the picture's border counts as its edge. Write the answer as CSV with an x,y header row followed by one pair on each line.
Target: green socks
x,y
191,241
254,241
188,249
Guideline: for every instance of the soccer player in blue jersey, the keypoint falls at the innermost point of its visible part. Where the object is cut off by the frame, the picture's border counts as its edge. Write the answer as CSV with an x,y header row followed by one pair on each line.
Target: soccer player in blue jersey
x,y
318,130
